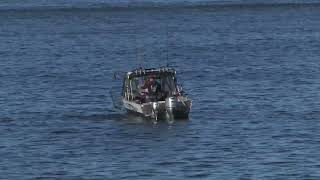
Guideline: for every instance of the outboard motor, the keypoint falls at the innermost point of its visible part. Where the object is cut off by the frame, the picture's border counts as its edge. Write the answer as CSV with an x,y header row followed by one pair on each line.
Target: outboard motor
x,y
155,107
171,104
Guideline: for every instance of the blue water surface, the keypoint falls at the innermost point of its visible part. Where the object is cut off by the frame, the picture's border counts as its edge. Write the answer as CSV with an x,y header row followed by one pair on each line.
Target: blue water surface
x,y
253,72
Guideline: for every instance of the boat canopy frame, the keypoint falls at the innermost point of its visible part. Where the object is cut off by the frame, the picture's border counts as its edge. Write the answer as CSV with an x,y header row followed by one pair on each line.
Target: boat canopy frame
x,y
154,71
127,91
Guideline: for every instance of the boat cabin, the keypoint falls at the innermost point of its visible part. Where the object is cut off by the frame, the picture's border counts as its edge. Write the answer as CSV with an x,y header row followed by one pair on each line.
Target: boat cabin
x,y
149,85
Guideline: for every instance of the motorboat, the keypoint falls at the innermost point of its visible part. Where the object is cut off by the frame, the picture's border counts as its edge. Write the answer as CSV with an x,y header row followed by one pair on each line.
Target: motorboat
x,y
154,93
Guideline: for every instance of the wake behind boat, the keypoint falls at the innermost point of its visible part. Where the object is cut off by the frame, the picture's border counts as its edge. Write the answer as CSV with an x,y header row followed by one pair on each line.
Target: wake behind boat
x,y
154,93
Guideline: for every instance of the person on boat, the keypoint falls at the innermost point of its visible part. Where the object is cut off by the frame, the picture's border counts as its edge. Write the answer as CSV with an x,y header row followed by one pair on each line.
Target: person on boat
x,y
151,88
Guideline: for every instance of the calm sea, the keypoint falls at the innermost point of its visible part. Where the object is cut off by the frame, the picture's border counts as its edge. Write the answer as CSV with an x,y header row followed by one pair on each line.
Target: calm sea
x,y
252,70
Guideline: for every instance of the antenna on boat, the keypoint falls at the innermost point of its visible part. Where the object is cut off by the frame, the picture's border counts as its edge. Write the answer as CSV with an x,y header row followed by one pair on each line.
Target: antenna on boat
x,y
167,44
138,53
139,58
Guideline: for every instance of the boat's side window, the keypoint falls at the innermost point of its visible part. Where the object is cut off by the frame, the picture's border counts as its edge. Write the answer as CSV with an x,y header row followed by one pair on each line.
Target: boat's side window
x,y
126,89
135,87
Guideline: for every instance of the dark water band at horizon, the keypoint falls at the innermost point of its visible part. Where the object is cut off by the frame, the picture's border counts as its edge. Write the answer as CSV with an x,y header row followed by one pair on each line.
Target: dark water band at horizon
x,y
253,75
108,6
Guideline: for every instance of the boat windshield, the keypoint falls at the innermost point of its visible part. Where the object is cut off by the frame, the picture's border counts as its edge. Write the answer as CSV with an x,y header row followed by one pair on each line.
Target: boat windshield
x,y
165,86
